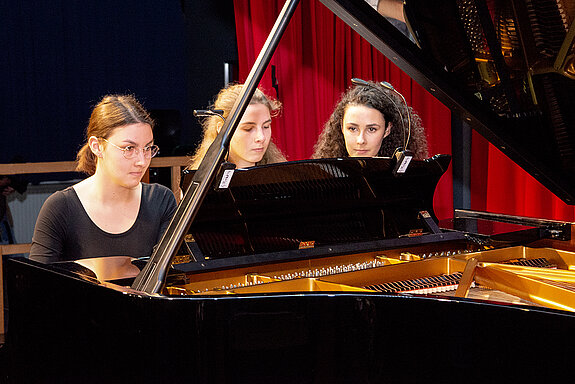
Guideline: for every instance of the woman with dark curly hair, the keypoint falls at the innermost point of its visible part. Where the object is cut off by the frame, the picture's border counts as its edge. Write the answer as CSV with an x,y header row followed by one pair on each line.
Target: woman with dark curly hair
x,y
371,120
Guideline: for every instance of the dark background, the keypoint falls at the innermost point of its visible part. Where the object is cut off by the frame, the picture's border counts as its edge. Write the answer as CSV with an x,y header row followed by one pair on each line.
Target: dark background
x,y
60,57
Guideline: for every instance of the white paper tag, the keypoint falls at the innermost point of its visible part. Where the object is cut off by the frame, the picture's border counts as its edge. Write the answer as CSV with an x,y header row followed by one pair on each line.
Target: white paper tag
x,y
226,178
404,163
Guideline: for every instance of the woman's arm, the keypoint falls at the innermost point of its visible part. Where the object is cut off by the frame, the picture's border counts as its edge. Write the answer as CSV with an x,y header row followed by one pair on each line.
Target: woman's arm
x,y
389,8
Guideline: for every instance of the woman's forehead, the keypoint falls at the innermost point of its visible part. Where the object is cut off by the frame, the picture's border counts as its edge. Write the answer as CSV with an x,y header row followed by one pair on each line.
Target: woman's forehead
x,y
133,132
255,112
362,109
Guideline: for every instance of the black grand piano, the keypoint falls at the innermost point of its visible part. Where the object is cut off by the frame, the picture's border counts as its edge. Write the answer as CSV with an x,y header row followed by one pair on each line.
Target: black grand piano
x,y
336,270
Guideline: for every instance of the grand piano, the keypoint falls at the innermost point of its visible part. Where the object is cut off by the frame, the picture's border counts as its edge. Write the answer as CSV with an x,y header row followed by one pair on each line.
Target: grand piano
x,y
337,270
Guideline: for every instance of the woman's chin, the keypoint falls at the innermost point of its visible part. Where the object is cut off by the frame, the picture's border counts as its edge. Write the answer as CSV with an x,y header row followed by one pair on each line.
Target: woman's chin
x,y
131,184
246,163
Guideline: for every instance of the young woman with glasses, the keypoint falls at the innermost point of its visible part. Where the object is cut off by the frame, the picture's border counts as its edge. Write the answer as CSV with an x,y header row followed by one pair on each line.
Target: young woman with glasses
x,y
110,213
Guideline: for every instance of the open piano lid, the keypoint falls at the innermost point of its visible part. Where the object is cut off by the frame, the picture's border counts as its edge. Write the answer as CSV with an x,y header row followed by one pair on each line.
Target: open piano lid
x,y
506,67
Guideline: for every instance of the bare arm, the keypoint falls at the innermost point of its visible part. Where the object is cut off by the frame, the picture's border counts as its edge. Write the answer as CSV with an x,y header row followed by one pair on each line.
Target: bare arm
x,y
391,8
388,8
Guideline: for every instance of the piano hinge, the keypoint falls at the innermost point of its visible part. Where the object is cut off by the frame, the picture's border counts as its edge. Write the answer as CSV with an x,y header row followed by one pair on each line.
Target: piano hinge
x,y
429,222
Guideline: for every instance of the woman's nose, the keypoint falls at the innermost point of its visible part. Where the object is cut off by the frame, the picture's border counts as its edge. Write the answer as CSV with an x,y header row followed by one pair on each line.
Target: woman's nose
x,y
140,157
259,135
361,138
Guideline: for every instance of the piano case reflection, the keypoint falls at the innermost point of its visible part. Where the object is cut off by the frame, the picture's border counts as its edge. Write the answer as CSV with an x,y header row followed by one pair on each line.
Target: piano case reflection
x,y
337,270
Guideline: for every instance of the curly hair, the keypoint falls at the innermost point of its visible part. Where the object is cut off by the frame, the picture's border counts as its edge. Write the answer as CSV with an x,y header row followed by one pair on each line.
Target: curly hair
x,y
111,112
225,101
331,141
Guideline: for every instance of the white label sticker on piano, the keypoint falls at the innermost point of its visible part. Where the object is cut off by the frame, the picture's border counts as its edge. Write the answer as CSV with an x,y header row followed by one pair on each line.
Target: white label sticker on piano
x,y
404,163
226,178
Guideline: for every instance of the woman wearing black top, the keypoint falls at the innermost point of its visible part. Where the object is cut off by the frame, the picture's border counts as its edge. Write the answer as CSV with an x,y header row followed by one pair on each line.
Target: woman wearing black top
x,y
111,213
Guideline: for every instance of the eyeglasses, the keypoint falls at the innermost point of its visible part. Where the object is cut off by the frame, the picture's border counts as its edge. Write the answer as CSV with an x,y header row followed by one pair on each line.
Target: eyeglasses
x,y
131,151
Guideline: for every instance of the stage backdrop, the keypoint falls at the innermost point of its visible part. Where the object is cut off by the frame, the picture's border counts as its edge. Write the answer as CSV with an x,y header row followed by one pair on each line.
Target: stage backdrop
x,y
313,65
500,185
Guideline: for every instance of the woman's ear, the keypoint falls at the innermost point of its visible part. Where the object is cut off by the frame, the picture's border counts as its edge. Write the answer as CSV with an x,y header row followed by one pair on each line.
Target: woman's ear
x,y
95,146
387,130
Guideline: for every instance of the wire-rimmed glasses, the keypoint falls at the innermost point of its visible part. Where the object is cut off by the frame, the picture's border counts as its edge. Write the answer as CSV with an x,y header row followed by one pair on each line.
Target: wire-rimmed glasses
x,y
131,151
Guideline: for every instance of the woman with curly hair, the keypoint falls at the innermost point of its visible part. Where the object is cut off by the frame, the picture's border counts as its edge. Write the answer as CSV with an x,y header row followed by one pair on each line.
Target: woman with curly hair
x,y
371,120
251,142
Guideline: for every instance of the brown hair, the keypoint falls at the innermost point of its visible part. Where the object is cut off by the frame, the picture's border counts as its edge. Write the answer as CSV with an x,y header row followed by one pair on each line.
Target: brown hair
x,y
225,101
331,142
111,112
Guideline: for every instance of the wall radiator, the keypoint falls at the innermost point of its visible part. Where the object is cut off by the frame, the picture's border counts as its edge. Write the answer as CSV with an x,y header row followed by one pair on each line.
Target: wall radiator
x,y
25,208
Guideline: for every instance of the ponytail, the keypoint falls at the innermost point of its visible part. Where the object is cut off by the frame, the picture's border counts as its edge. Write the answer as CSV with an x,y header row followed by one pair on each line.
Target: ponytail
x,y
86,160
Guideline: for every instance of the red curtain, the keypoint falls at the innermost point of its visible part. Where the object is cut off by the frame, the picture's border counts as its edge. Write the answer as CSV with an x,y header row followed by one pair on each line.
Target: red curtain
x,y
499,185
315,60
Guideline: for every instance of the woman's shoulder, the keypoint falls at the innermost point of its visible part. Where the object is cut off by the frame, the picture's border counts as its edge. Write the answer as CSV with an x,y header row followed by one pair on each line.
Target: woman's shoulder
x,y
155,188
157,191
60,204
158,199
61,197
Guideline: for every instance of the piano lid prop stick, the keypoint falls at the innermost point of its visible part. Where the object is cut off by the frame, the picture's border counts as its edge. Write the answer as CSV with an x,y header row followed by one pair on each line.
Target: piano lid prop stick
x,y
153,276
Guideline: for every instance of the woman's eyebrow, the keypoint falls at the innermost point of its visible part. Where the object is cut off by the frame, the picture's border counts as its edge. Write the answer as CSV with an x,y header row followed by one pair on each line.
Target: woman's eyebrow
x,y
254,123
128,141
